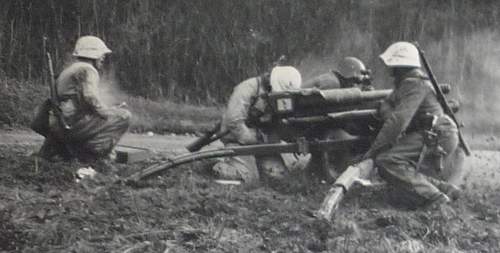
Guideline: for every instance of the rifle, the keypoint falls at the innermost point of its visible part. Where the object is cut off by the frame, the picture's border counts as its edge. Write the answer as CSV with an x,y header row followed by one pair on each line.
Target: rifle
x,y
442,99
54,100
207,138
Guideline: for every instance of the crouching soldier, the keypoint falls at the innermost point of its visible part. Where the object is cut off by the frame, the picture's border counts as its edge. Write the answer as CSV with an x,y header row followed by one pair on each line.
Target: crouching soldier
x,y
94,129
245,106
409,115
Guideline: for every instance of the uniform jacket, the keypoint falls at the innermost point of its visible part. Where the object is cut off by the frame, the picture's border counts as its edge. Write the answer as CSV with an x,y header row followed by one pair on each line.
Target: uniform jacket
x,y
78,90
411,102
245,99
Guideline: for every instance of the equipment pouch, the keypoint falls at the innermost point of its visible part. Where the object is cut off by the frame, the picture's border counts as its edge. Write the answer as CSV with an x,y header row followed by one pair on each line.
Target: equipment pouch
x,y
441,140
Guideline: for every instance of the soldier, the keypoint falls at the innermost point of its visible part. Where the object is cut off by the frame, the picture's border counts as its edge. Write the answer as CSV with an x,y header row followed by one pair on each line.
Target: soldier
x,y
246,106
410,116
351,72
95,128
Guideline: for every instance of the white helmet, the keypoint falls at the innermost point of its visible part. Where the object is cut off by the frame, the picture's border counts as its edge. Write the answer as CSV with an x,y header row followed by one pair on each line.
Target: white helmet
x,y
401,54
285,78
90,47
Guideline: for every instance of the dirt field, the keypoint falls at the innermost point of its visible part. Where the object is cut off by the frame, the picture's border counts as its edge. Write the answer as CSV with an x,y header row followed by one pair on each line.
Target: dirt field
x,y
45,208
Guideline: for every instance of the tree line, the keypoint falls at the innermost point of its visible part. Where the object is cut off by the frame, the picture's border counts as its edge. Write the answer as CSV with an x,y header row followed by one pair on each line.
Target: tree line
x,y
195,51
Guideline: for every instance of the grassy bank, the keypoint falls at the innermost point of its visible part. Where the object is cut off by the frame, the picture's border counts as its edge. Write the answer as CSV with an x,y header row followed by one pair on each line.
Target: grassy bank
x,y
168,117
18,100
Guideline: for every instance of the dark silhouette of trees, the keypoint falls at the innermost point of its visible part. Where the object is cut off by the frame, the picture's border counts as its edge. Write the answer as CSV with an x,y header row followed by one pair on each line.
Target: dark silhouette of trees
x,y
196,51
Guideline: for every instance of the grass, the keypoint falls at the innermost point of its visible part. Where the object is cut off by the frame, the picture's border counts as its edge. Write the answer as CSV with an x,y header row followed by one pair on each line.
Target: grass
x,y
45,210
169,117
18,100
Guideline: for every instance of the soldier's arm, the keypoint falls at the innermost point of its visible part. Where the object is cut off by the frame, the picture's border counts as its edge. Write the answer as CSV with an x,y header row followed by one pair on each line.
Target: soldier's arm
x,y
237,113
411,96
89,80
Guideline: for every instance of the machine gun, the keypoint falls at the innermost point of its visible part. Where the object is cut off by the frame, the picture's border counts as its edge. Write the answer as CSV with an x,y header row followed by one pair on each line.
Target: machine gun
x,y
309,109
301,118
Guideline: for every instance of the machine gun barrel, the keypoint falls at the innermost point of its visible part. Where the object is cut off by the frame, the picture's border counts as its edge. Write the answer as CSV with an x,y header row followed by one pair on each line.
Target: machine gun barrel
x,y
313,102
350,96
333,117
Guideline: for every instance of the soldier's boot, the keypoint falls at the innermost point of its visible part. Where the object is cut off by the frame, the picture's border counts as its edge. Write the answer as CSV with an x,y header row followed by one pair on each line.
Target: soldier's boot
x,y
241,168
437,202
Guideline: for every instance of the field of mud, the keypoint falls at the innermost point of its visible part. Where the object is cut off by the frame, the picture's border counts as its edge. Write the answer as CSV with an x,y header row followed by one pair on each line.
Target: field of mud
x,y
45,207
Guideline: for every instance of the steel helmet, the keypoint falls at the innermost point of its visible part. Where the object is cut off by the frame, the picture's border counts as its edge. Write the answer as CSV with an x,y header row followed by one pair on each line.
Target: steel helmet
x,y
285,78
352,67
401,54
90,47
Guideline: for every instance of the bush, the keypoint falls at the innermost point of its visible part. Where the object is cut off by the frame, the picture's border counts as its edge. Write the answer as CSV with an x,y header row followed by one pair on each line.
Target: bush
x,y
18,100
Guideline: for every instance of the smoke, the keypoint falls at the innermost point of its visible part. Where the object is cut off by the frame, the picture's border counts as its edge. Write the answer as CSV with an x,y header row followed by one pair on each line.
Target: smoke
x,y
313,65
110,92
471,63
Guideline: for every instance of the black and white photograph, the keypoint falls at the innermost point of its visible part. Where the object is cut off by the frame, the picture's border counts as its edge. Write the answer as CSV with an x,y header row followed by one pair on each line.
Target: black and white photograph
x,y
249,126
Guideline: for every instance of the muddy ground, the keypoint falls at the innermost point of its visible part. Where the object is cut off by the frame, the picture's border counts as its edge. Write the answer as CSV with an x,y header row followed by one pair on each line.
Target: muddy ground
x,y
46,208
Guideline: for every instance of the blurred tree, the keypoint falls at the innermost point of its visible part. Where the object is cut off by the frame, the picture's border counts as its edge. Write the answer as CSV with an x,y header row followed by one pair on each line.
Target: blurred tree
x,y
196,51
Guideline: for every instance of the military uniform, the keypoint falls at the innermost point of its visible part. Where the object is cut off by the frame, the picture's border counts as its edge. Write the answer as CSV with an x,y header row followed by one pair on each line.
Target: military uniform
x,y
244,107
400,142
95,128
